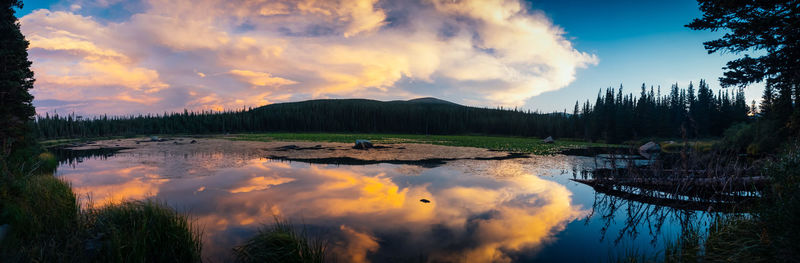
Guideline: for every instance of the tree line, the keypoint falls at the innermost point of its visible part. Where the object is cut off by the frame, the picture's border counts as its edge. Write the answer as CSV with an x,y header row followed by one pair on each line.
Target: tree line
x,y
613,117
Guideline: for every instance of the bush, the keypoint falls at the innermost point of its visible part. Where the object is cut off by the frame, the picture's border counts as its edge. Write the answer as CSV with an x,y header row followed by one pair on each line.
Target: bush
x,y
756,138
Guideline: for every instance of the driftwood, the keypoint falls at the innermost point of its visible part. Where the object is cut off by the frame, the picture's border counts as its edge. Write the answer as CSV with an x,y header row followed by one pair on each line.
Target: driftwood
x,y
659,173
720,184
731,205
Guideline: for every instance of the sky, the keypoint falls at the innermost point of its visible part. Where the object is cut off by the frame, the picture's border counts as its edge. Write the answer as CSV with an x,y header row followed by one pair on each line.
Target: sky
x,y
119,57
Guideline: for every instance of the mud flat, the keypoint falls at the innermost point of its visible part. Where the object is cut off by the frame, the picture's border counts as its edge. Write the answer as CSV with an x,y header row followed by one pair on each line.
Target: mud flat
x,y
319,152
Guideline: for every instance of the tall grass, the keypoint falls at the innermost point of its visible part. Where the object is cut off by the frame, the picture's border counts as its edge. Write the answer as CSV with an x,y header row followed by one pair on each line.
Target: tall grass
x,y
45,223
143,231
780,213
42,217
280,242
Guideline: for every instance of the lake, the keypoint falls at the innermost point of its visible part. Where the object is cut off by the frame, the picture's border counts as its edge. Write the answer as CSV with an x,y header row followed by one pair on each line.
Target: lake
x,y
522,209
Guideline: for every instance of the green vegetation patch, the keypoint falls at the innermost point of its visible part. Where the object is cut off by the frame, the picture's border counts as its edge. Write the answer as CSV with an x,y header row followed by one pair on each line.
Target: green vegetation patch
x,y
510,144
40,216
41,221
142,231
694,145
280,242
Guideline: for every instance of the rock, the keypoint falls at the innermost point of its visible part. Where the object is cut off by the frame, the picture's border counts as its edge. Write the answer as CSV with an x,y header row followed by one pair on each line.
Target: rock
x,y
649,149
363,145
176,143
424,200
549,139
154,138
193,142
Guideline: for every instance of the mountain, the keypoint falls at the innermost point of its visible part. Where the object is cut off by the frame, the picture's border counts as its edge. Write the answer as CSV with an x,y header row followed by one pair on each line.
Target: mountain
x,y
417,101
431,100
416,116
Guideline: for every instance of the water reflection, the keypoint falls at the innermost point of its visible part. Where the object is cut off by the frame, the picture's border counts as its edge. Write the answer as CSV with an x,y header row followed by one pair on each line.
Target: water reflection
x,y
371,213
480,211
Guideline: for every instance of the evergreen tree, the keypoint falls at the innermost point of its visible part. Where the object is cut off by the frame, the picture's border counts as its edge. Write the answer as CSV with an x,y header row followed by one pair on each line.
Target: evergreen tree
x,y
16,79
771,26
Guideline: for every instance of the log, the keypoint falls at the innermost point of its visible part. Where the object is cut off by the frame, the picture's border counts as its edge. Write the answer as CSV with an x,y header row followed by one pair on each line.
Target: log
x,y
737,206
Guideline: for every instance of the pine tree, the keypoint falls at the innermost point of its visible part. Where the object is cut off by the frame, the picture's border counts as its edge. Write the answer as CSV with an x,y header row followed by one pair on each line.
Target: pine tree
x,y
16,79
769,26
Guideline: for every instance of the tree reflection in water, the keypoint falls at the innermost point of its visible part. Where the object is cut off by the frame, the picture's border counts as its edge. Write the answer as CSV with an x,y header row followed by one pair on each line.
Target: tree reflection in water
x,y
639,216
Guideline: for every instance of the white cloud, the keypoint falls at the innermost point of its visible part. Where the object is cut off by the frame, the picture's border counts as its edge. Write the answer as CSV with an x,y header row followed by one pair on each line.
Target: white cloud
x,y
473,51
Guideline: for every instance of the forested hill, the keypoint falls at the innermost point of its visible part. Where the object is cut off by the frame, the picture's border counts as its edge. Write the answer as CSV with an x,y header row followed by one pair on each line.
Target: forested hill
x,y
418,116
613,117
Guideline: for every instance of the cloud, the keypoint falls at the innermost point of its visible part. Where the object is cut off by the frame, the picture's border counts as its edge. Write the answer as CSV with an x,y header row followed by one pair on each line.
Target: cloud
x,y
261,78
489,53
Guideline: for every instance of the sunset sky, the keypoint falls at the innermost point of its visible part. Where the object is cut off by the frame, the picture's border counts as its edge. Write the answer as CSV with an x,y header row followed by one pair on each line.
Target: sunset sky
x,y
126,57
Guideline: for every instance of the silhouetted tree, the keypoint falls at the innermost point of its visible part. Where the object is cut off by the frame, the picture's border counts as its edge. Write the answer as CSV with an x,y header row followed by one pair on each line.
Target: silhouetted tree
x,y
614,117
771,26
16,79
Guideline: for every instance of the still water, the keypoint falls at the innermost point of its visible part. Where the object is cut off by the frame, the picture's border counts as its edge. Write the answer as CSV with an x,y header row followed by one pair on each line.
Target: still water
x,y
524,210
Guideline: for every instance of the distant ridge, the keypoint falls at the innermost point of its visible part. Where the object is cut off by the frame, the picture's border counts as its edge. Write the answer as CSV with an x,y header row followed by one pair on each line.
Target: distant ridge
x,y
425,101
431,100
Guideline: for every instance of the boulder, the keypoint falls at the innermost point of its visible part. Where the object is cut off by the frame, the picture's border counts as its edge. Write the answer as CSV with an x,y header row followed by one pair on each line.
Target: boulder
x,y
549,139
363,145
193,142
649,149
154,138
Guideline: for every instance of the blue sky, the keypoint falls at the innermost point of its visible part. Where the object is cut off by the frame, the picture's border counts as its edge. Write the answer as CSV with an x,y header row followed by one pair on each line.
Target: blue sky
x,y
632,42
637,42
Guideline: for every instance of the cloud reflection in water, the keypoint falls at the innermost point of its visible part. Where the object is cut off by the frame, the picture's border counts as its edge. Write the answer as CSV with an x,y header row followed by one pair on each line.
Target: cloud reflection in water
x,y
370,213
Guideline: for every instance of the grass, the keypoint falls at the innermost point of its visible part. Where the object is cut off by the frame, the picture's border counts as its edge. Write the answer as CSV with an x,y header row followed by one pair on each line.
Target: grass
x,y
281,242
511,144
142,231
41,214
695,145
45,223
59,142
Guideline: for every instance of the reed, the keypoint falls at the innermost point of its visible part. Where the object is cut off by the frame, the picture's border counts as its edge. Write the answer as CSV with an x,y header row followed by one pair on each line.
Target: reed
x,y
281,242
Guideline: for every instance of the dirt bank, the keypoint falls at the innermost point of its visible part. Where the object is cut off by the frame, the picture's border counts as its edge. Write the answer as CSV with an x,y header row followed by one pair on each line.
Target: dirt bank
x,y
304,151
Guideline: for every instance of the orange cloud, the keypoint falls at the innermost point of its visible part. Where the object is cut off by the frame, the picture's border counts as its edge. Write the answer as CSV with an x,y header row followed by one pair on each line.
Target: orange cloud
x,y
260,78
358,245
260,183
